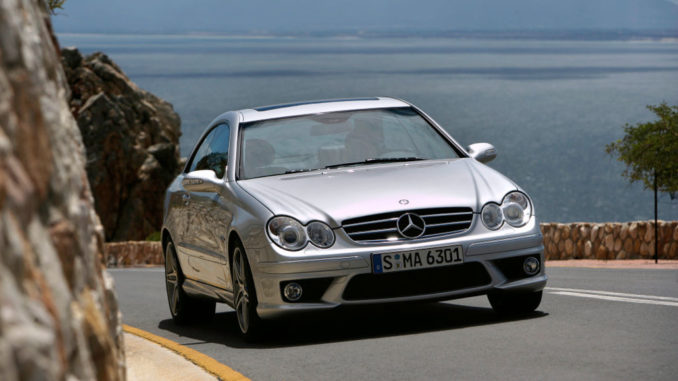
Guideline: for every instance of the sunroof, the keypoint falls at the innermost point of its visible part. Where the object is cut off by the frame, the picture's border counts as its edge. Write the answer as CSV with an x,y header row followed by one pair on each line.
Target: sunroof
x,y
274,107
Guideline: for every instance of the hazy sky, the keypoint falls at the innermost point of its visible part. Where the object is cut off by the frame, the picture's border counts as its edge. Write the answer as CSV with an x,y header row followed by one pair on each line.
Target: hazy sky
x,y
252,16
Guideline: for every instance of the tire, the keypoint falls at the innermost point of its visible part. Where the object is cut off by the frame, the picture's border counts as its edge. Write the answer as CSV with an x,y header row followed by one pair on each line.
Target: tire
x,y
514,303
244,295
183,308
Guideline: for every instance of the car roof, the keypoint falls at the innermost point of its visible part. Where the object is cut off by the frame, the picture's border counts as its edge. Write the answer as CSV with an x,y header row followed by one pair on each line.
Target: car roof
x,y
319,106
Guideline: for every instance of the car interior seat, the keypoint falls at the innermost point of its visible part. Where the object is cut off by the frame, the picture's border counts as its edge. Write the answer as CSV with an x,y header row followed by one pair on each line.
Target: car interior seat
x,y
259,155
364,142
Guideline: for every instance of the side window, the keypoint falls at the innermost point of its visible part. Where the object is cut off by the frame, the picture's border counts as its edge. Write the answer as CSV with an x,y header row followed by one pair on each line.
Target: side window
x,y
202,151
215,154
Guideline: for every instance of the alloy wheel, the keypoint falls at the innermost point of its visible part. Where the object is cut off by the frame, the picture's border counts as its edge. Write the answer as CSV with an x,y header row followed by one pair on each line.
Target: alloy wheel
x,y
242,297
172,280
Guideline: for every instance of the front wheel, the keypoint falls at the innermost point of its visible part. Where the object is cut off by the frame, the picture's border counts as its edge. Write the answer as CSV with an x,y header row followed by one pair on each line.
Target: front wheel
x,y
184,309
245,296
514,303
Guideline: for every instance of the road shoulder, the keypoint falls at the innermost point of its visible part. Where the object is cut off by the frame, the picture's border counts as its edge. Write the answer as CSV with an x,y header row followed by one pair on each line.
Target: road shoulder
x,y
151,357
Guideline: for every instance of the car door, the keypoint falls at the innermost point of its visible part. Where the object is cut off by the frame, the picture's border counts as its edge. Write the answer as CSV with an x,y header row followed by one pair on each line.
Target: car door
x,y
187,214
205,240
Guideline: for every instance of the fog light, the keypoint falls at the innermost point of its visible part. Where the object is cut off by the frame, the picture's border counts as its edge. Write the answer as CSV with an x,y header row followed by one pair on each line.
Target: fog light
x,y
292,291
531,265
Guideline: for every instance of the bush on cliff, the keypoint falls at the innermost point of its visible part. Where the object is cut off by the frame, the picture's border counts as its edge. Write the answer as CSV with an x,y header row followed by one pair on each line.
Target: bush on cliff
x,y
53,5
650,150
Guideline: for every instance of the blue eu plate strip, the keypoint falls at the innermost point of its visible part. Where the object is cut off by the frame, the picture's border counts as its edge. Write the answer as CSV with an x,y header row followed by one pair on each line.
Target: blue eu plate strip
x,y
376,264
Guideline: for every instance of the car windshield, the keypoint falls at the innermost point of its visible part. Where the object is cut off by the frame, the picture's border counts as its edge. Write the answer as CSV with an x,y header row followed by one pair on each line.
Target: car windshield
x,y
332,140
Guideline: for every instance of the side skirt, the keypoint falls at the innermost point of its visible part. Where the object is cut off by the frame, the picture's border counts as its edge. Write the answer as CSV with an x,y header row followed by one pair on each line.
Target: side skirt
x,y
202,290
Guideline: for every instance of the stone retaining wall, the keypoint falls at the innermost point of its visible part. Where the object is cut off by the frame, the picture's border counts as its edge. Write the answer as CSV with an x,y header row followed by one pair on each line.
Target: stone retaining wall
x,y
613,240
583,240
133,253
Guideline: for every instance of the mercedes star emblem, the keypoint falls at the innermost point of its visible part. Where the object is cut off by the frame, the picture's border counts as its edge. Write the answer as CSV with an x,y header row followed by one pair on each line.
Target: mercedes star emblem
x,y
411,225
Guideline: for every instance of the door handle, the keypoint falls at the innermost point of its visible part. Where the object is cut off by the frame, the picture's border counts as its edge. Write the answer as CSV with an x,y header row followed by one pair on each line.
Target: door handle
x,y
186,197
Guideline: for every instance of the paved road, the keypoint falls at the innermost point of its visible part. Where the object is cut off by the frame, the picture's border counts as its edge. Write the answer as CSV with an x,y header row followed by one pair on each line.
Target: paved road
x,y
587,327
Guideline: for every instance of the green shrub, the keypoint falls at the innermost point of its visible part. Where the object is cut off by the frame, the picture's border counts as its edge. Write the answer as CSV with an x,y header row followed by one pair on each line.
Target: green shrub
x,y
155,236
53,5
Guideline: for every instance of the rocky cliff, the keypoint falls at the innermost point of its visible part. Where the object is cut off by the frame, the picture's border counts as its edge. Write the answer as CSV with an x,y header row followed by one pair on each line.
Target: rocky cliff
x,y
132,143
59,318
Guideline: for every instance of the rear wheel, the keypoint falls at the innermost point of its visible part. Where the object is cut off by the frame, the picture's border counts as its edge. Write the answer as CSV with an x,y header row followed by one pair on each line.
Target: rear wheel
x,y
184,308
514,303
245,297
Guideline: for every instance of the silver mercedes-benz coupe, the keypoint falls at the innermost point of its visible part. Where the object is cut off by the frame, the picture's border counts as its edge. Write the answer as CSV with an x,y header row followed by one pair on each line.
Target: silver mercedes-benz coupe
x,y
313,205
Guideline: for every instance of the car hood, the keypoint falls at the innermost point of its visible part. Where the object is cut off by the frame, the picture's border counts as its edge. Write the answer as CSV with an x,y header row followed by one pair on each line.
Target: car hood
x,y
338,194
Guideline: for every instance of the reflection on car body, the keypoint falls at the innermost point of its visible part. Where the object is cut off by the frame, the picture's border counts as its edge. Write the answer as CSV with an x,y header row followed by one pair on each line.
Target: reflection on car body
x,y
314,205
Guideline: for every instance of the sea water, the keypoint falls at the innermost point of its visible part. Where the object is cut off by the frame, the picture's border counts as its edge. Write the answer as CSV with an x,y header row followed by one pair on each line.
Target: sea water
x,y
549,107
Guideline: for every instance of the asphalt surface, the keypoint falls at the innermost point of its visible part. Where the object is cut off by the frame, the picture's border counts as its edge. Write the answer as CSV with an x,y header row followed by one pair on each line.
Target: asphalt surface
x,y
587,327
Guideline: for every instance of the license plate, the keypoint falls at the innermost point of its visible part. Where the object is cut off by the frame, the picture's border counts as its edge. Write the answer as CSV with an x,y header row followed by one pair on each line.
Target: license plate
x,y
417,259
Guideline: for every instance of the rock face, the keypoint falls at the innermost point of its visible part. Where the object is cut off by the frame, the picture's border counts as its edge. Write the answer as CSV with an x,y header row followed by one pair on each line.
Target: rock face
x,y
614,240
132,142
59,318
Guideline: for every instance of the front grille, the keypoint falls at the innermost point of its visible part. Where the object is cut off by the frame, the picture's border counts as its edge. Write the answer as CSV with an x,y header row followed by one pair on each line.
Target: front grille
x,y
383,227
416,282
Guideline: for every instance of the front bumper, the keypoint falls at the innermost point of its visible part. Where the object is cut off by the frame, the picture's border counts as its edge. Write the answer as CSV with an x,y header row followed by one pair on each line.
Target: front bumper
x,y
345,277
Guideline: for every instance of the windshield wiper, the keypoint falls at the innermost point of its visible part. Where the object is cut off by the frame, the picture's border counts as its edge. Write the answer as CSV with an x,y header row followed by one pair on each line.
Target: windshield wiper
x,y
300,170
376,160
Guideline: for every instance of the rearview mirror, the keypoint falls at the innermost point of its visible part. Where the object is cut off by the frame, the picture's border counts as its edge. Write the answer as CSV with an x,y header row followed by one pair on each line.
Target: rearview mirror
x,y
204,180
483,152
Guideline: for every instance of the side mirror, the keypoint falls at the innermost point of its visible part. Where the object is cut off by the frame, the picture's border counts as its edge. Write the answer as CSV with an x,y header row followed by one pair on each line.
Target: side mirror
x,y
204,180
483,152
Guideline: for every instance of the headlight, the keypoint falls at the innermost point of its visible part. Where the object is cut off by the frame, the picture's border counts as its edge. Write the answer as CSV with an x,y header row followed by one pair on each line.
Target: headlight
x,y
287,233
290,234
492,216
320,234
516,209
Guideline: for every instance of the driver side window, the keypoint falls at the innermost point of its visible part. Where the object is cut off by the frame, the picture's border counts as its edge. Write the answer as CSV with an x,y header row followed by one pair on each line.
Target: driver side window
x,y
213,152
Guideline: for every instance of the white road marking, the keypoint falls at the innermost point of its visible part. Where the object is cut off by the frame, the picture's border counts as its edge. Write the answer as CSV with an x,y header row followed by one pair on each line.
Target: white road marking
x,y
615,296
613,293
